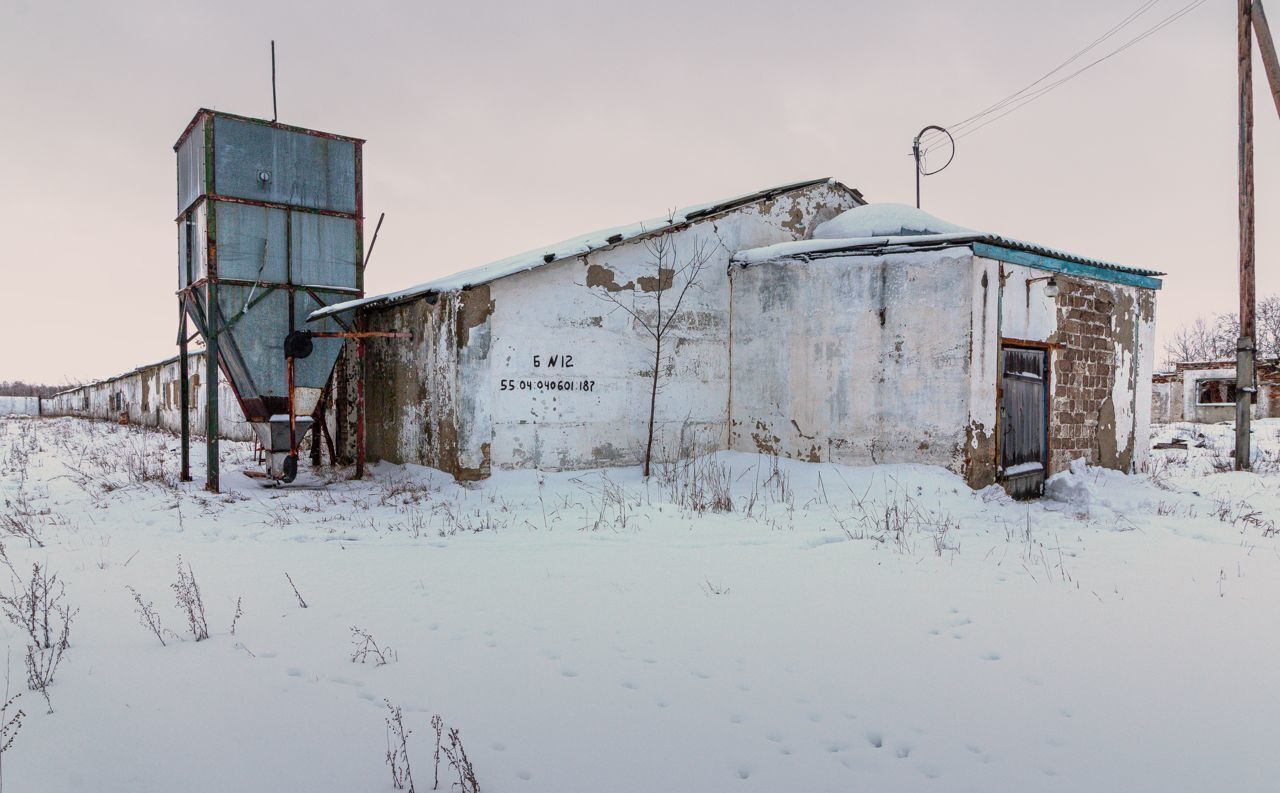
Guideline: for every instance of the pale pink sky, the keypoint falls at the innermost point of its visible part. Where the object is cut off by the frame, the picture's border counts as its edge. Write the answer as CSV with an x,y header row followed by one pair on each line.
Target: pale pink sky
x,y
498,127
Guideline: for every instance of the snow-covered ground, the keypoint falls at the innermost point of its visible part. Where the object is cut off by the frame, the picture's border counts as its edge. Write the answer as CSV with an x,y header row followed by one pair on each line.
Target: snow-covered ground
x,y
878,629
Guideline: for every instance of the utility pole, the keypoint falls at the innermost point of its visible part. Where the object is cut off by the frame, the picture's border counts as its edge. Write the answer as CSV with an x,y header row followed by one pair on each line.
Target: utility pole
x,y
1267,49
1245,347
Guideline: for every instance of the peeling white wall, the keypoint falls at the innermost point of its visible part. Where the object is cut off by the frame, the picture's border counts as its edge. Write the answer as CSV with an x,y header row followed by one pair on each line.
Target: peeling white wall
x,y
559,376
1146,363
1028,314
854,359
160,406
19,406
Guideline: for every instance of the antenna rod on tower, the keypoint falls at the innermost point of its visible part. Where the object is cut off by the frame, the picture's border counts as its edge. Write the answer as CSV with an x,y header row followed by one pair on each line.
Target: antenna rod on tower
x,y
275,114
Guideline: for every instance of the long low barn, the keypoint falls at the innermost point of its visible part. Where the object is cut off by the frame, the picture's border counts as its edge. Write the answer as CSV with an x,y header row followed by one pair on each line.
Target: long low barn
x,y
149,396
797,321
819,328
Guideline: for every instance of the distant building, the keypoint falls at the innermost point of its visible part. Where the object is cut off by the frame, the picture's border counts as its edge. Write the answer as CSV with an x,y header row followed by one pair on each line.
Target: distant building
x,y
150,396
1204,392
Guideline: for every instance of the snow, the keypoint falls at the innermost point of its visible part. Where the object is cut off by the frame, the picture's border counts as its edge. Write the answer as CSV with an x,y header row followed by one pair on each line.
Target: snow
x,y
884,220
880,628
1022,468
893,228
575,246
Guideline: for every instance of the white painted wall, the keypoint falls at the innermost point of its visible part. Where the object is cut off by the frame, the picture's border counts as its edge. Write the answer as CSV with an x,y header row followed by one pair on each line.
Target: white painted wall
x,y
19,406
1189,393
552,313
160,407
854,359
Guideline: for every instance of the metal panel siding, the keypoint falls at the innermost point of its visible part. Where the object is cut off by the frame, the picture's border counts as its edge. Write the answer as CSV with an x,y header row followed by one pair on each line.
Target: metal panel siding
x,y
186,273
313,371
323,250
191,170
252,243
304,170
253,347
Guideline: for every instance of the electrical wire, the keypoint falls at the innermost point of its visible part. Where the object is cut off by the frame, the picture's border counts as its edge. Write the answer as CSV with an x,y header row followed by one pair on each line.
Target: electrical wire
x,y
1139,11
1022,98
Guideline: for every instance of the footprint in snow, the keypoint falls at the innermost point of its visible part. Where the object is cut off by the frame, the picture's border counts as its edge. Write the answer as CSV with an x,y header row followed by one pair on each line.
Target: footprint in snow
x,y
568,673
525,775
701,675
875,739
629,684
744,773
498,747
991,656
294,671
902,752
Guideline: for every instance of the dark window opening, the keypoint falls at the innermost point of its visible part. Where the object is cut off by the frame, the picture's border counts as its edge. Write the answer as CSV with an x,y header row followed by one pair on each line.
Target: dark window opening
x,y
1221,391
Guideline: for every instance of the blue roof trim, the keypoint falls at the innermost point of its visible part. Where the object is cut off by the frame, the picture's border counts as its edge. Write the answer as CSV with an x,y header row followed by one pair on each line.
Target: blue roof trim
x,y
1056,265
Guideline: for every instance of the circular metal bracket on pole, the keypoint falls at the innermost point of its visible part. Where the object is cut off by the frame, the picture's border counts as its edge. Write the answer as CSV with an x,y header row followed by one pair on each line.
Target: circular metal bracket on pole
x,y
915,154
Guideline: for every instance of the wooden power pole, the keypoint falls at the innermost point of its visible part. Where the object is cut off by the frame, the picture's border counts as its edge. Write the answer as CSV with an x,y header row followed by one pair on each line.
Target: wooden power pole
x,y
1267,49
1245,347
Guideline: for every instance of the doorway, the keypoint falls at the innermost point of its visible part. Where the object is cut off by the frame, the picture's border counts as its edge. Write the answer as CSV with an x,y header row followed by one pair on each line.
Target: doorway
x,y
1024,420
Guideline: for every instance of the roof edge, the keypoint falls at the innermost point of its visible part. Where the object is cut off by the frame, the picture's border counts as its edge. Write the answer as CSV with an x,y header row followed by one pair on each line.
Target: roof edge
x,y
700,214
206,112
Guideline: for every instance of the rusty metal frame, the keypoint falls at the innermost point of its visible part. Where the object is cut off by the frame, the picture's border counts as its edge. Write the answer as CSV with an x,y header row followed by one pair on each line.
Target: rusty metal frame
x,y
214,323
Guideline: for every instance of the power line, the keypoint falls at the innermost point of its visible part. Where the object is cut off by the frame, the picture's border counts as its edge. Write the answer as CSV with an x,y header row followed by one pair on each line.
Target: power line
x,y
1022,98
1141,9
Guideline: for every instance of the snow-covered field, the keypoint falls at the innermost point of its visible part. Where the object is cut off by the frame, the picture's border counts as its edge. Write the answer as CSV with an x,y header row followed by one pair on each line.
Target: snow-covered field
x,y
859,629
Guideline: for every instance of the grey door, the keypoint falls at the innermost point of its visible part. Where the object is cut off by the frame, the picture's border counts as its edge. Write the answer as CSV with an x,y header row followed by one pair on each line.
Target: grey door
x,y
1024,408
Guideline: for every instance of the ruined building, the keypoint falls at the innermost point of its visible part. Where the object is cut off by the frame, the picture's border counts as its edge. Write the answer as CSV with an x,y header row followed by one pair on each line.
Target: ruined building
x,y
819,327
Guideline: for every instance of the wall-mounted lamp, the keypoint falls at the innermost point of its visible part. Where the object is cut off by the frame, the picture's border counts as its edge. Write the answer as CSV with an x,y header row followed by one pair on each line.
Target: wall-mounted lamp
x,y
1050,287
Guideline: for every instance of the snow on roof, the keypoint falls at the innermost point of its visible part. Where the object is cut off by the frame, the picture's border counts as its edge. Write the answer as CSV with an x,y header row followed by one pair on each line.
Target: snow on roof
x,y
576,246
884,227
884,220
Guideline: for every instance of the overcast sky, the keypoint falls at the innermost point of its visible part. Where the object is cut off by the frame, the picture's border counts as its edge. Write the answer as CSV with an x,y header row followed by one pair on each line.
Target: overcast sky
x,y
498,127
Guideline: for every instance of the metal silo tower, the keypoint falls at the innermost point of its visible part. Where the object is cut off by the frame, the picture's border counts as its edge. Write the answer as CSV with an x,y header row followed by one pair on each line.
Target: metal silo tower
x,y
270,228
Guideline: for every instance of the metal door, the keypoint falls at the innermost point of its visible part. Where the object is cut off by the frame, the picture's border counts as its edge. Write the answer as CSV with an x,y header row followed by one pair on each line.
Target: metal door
x,y
1024,408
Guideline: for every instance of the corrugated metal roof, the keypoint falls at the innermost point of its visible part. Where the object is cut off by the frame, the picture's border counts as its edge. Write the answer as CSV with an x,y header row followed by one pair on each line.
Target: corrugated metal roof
x,y
577,246
827,247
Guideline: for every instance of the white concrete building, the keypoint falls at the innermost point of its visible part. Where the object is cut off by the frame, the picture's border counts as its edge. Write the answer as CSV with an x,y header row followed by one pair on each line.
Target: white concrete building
x,y
880,334
150,396
1205,392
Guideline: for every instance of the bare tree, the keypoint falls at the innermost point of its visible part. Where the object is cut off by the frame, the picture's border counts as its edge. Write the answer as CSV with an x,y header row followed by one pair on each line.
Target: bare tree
x,y
1214,337
655,302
